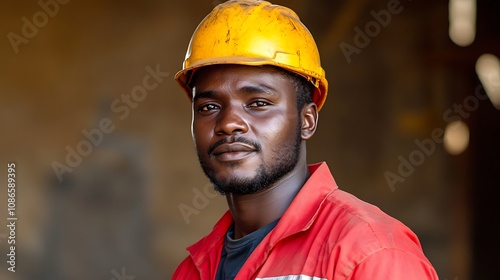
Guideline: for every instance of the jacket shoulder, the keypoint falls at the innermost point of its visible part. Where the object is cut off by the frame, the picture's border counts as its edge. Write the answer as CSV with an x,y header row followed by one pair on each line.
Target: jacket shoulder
x,y
354,218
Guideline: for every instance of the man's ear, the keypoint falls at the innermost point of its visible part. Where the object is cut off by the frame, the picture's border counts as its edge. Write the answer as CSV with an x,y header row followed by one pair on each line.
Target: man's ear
x,y
309,116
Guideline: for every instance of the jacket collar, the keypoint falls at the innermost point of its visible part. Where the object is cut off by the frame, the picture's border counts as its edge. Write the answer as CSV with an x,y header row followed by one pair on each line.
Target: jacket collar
x,y
304,208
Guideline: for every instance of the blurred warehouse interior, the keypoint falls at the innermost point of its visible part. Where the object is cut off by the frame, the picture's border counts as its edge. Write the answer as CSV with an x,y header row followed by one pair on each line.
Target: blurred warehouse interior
x,y
109,184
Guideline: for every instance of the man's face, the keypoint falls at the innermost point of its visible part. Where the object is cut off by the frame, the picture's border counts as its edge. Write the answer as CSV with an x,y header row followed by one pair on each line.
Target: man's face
x,y
246,126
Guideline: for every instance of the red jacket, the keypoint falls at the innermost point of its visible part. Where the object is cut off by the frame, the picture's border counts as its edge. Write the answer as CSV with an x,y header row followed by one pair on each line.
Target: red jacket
x,y
325,233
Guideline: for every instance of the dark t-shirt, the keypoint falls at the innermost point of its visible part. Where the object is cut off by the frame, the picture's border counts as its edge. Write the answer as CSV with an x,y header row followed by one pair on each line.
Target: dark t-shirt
x,y
237,251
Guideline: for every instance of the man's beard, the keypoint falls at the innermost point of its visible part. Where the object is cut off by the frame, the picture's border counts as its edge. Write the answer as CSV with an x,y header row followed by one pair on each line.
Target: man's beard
x,y
284,162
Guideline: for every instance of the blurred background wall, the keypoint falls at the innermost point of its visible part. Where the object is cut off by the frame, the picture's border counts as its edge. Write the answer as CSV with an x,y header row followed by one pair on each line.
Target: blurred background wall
x,y
108,183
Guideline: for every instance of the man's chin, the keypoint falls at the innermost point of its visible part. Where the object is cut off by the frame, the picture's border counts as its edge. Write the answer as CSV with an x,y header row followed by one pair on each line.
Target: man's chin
x,y
234,170
236,183
239,189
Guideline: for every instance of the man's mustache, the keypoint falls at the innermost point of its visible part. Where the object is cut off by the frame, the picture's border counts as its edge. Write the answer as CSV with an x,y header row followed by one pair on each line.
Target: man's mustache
x,y
240,139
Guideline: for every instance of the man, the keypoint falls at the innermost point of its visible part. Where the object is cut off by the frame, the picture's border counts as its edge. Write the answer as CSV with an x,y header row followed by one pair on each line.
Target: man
x,y
253,73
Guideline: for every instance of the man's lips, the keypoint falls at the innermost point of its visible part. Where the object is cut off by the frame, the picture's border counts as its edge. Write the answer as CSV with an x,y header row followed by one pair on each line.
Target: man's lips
x,y
233,151
233,148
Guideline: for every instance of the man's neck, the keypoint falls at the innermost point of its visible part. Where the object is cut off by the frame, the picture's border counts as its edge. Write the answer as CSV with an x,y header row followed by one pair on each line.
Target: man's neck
x,y
253,211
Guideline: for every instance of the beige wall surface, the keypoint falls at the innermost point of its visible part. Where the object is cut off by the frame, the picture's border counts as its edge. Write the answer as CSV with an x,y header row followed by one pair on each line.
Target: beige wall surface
x,y
103,177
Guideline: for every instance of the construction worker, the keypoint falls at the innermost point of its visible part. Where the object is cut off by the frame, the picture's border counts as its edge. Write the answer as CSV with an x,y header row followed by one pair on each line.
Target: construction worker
x,y
253,74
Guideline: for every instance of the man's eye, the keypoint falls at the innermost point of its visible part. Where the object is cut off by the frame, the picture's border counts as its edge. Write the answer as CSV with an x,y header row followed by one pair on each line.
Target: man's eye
x,y
258,104
208,107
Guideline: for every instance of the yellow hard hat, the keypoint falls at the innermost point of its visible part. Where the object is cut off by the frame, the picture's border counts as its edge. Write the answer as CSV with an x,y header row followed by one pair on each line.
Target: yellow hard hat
x,y
251,32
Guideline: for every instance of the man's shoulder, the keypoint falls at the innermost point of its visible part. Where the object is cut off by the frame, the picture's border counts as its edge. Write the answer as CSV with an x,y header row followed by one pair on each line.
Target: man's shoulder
x,y
348,204
345,218
364,225
350,235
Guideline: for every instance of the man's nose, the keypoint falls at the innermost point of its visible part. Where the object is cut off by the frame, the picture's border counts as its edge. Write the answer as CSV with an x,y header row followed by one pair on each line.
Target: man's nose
x,y
231,120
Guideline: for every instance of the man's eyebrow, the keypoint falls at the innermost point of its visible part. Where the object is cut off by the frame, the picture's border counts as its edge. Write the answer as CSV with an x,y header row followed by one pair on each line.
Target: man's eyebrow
x,y
204,94
249,89
259,88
